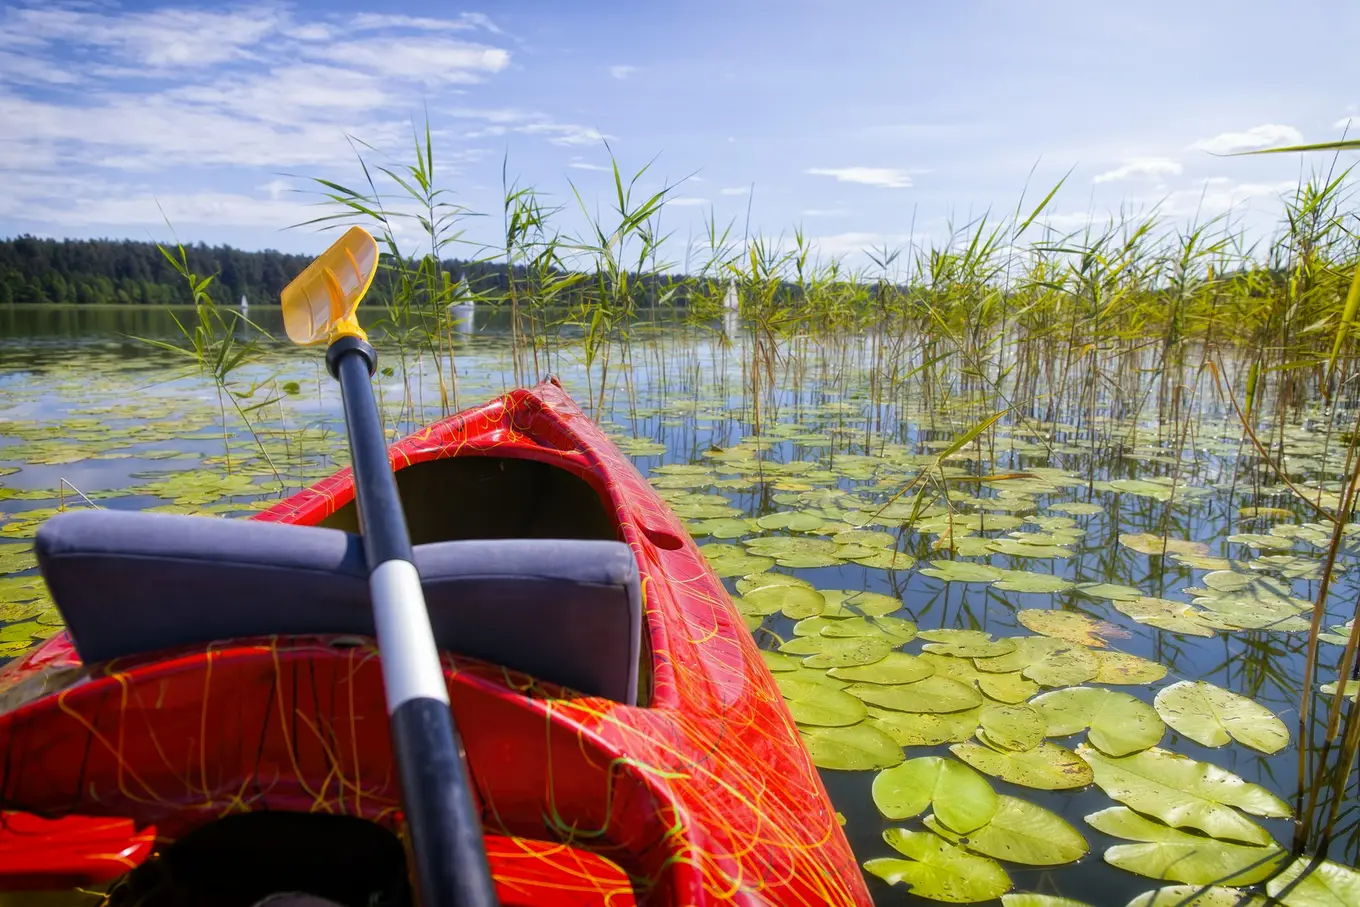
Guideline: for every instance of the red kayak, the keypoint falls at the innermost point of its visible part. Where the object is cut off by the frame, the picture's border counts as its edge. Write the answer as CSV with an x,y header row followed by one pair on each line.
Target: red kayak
x,y
213,717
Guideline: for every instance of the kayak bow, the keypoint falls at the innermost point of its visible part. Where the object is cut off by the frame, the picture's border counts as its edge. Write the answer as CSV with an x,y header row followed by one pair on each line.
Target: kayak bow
x,y
625,740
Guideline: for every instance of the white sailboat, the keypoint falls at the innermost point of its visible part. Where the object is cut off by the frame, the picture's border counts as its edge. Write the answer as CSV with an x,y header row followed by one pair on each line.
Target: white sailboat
x,y
731,309
462,312
244,305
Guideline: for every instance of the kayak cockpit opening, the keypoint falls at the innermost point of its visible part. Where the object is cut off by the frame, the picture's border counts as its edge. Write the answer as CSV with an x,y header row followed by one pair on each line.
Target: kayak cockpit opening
x,y
483,497
240,860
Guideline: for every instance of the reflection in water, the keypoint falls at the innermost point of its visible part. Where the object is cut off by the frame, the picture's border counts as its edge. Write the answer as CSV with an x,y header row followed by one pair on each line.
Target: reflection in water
x,y
81,399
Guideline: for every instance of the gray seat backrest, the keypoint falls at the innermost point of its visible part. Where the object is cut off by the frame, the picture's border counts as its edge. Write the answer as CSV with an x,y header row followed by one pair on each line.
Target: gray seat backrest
x,y
567,611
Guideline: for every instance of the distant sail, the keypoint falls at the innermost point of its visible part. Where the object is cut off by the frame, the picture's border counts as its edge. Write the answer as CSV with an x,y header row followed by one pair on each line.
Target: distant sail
x,y
731,302
244,305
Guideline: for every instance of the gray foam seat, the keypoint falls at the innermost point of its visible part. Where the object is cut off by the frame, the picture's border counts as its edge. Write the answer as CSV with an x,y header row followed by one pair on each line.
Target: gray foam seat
x,y
567,611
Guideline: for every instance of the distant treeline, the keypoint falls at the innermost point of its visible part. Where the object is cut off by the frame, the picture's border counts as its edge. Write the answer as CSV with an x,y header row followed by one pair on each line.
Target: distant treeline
x,y
127,272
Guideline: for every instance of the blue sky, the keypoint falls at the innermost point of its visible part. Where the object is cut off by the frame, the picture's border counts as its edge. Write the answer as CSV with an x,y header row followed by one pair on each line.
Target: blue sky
x,y
864,122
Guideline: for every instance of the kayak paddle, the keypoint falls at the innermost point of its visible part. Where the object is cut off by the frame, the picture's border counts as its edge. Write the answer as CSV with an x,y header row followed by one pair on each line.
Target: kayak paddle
x,y
436,796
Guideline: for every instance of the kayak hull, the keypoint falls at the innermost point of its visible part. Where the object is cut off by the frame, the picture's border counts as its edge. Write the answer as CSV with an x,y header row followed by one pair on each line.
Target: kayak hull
x,y
701,794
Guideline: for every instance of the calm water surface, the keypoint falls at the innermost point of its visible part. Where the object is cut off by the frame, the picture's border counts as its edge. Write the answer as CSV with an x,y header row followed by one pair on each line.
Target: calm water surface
x,y
84,405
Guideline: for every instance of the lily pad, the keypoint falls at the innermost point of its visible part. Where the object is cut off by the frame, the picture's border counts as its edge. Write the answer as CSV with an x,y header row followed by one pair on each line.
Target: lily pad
x,y
1119,723
1029,581
1151,543
796,602
897,630
1327,884
894,668
1211,716
793,520
1185,793
813,703
1165,614
1071,626
939,870
844,603
833,652
962,572
1046,767
925,728
1110,591
961,797
1020,832
965,643
1011,727
1178,856
933,694
859,747
1122,668
1196,896
886,559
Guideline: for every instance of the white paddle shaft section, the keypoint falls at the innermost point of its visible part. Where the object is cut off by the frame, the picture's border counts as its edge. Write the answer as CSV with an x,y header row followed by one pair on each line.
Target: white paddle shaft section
x,y
410,661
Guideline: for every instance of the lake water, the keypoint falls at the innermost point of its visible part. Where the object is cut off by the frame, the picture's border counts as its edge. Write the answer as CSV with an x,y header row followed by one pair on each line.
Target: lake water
x,y
89,414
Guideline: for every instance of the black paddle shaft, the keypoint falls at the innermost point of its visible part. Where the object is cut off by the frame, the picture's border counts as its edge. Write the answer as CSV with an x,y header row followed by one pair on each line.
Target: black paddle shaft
x,y
444,825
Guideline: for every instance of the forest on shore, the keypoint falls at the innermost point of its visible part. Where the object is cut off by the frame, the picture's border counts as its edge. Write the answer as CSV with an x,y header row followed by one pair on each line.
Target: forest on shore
x,y
36,270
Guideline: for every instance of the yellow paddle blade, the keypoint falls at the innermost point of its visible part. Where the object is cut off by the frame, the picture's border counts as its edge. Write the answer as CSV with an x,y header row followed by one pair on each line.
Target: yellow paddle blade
x,y
319,304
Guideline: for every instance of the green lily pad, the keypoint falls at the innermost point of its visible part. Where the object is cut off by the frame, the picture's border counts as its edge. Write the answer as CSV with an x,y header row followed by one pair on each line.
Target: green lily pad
x,y
962,798
1178,856
795,602
740,564
1185,793
1196,896
1110,591
1046,767
932,694
1150,543
1122,668
886,559
1165,614
1076,508
965,643
793,520
721,528
1011,687
1119,724
1327,884
1020,832
1029,581
833,652
938,870
779,663
860,747
812,626
893,668
1011,727
962,572
844,603
1070,625
1211,716
869,538
1022,548
1256,540
897,630
813,703
925,728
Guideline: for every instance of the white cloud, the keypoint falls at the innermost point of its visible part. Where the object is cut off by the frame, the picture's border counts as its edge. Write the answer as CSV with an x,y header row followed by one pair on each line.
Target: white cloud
x,y
1351,122
1255,137
825,212
885,177
428,60
735,190
1220,194
686,201
464,22
622,72
1141,168
161,38
842,245
582,165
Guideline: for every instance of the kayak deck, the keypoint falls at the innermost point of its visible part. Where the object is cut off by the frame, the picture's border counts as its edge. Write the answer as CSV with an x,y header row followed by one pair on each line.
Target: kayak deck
x,y
701,792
